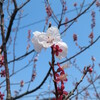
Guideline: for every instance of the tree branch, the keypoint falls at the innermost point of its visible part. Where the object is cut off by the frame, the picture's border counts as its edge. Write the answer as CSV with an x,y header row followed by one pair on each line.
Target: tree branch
x,y
77,84
38,87
16,59
80,51
15,4
23,4
5,54
80,13
86,87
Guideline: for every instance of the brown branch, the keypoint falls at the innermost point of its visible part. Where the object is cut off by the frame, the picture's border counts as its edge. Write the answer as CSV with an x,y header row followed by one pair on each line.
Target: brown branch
x,y
10,24
52,66
44,19
80,13
80,51
23,4
17,29
97,94
8,8
82,6
86,87
15,4
15,84
24,55
18,70
77,84
67,27
12,18
73,20
55,84
5,54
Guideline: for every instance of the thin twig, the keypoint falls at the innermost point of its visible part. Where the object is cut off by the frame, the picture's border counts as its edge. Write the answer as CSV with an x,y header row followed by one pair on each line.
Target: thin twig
x,y
22,56
86,87
80,51
80,13
77,84
38,87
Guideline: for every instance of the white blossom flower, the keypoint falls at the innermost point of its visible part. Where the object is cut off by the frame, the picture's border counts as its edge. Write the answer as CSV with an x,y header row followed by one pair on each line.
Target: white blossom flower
x,y
51,37
48,39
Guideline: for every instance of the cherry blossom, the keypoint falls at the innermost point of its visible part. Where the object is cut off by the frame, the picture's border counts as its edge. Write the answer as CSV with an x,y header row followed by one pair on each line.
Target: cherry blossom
x,y
61,77
61,92
61,68
45,40
42,40
52,36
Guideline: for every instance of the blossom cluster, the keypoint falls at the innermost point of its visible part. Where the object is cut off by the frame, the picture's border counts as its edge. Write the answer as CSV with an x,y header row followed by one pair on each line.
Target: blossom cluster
x,y
60,77
48,10
28,40
1,96
98,3
1,60
51,38
66,20
75,37
93,19
64,6
34,67
2,73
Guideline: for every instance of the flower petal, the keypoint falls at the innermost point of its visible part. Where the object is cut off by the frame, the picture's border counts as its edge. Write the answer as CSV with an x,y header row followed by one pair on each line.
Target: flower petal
x,y
54,33
64,48
38,47
35,41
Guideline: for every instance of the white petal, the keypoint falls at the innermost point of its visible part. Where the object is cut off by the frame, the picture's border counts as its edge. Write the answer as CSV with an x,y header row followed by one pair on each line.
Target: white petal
x,y
43,40
36,33
54,32
64,47
37,46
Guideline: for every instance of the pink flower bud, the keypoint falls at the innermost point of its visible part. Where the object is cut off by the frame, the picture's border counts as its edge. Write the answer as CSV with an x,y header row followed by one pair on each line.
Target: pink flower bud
x,y
92,58
91,36
90,70
22,83
75,37
75,4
